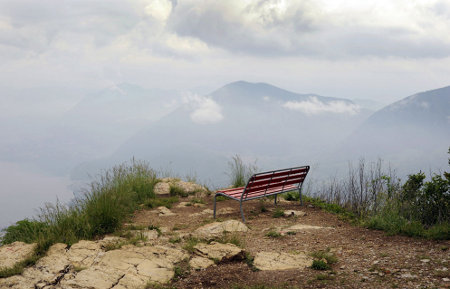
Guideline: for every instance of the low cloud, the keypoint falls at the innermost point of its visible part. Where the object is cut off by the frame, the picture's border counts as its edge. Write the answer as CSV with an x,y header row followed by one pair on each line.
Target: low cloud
x,y
205,110
314,106
159,9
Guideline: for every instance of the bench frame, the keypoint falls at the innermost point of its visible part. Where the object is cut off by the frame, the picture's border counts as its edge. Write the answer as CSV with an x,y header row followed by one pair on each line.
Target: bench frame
x,y
266,184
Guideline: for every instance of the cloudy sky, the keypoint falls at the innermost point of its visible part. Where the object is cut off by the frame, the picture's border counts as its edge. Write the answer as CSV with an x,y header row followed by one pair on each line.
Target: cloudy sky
x,y
383,50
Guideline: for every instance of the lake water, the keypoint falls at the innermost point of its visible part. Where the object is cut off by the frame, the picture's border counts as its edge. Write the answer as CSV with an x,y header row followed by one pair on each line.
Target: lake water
x,y
23,190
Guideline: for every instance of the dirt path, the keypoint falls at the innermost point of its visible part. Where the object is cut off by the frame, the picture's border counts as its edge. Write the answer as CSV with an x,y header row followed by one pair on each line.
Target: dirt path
x,y
366,258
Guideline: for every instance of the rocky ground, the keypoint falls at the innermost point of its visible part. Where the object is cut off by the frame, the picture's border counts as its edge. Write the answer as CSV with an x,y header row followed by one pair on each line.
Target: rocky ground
x,y
184,247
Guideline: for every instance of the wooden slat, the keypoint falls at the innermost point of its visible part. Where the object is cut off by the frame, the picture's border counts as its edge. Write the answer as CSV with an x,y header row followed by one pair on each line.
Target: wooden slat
x,y
279,179
269,183
277,185
231,190
278,174
270,191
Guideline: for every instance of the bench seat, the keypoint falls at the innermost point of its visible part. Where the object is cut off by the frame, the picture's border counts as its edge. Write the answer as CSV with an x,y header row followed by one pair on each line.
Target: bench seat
x,y
266,184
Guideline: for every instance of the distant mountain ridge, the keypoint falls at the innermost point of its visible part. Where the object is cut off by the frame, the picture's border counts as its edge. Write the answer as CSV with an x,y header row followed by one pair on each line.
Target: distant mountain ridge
x,y
429,108
261,89
256,120
411,133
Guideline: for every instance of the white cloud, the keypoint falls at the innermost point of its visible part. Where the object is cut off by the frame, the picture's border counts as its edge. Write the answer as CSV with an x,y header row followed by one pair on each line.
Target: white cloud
x,y
205,110
315,106
159,9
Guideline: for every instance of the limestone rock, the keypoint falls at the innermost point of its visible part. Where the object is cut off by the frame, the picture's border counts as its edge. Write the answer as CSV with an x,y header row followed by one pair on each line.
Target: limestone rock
x,y
190,188
216,229
302,227
86,265
281,261
184,204
149,234
198,263
163,212
198,205
220,252
14,253
202,213
290,213
162,189
224,211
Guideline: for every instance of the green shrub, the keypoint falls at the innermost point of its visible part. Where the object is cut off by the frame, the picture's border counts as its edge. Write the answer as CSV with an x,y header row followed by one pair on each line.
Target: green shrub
x,y
278,213
439,232
24,231
320,265
326,255
291,196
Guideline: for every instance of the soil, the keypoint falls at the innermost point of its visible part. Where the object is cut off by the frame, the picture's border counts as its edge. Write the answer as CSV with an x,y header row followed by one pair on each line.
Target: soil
x,y
366,258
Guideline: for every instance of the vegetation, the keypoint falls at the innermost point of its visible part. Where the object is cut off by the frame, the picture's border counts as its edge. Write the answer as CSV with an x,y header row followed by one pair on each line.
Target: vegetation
x,y
278,213
378,200
320,265
105,206
161,202
326,256
240,172
177,191
190,244
273,234
233,238
283,286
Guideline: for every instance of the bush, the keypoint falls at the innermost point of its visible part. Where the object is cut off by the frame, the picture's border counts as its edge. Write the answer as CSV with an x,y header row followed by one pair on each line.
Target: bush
x,y
24,231
379,200
320,265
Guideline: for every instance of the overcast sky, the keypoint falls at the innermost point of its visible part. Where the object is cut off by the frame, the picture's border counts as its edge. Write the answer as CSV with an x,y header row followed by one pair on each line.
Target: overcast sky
x,y
383,50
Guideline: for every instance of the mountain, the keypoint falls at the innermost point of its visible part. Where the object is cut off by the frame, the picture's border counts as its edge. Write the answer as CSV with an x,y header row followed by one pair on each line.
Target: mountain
x,y
94,127
413,133
258,121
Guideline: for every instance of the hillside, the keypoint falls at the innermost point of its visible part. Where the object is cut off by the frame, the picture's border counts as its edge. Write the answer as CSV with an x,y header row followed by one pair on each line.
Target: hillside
x,y
186,248
410,133
255,120
95,126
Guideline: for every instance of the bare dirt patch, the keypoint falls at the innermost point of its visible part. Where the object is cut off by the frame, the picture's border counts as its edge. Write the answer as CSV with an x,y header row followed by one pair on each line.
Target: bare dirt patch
x,y
365,258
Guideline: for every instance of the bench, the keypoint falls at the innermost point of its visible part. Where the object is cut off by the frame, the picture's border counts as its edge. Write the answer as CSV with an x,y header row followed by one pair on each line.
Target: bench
x,y
265,184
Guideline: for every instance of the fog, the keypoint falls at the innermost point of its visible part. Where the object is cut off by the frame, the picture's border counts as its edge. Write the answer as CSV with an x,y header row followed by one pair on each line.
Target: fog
x,y
183,133
24,190
187,84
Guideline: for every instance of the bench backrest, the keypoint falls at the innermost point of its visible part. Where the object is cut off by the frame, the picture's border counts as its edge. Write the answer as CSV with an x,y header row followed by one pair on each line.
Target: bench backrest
x,y
275,182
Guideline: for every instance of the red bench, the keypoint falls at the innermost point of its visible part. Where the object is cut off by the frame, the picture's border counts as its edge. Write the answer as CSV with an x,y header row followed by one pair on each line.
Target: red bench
x,y
265,184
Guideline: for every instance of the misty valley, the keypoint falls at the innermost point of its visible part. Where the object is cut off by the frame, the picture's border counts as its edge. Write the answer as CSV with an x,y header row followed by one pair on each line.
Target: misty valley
x,y
187,134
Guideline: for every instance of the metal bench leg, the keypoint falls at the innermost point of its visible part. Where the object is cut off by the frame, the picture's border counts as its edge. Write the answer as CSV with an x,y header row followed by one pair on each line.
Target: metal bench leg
x,y
242,212
276,199
215,206
300,196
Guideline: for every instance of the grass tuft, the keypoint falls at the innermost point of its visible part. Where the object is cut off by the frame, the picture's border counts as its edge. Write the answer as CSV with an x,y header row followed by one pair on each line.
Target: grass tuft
x,y
105,206
278,213
161,202
273,234
190,244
